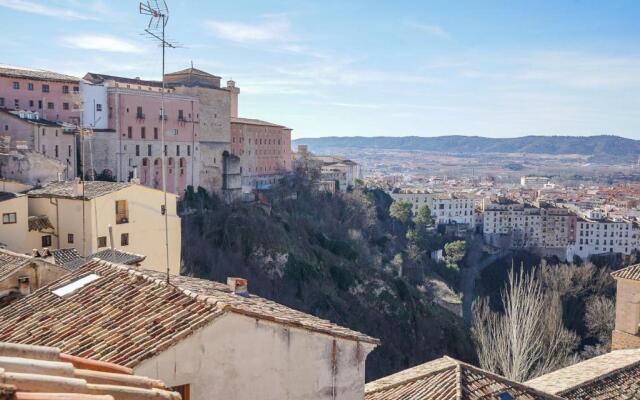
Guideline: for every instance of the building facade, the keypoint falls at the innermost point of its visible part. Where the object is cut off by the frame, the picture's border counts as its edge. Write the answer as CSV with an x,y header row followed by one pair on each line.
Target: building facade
x,y
264,150
54,96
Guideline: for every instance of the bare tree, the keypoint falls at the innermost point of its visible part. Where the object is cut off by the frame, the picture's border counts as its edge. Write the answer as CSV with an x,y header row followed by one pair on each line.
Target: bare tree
x,y
600,318
528,338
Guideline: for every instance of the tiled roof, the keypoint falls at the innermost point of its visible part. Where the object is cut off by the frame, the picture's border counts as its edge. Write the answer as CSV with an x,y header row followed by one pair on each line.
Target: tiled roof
x,y
92,189
118,257
448,379
129,314
193,71
100,78
632,273
42,373
39,74
250,121
69,258
615,375
39,223
10,262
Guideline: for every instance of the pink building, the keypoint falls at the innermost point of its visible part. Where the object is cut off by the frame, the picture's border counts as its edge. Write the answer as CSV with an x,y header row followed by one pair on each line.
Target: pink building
x,y
54,96
264,150
134,116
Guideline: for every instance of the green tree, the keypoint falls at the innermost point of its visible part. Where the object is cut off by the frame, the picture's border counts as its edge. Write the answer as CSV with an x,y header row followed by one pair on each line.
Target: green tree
x,y
455,252
401,210
423,219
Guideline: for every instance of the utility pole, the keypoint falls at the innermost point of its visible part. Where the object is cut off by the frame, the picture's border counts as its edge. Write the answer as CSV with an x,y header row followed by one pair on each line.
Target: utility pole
x,y
159,16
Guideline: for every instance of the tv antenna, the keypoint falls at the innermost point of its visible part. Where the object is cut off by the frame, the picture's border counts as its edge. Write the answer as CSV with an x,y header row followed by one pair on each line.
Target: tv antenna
x,y
158,13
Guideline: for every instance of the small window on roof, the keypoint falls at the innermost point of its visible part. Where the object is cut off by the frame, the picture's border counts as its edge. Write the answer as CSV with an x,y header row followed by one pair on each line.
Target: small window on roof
x,y
75,285
504,396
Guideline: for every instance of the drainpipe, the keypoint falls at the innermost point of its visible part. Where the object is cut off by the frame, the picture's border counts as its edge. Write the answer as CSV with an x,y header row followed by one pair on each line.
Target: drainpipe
x,y
110,228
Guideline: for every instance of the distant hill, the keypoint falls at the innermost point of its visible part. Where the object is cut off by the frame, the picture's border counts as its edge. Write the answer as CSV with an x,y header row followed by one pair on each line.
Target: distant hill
x,y
602,147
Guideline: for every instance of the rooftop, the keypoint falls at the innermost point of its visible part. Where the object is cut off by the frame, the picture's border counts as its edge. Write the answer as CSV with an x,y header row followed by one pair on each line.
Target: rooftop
x,y
448,379
614,375
10,262
193,71
69,258
39,223
142,314
251,121
632,273
13,71
101,78
118,256
4,196
42,373
67,189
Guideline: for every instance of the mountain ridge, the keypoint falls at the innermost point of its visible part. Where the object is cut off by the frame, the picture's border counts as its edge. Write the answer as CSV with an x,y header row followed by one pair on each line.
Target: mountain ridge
x,y
599,146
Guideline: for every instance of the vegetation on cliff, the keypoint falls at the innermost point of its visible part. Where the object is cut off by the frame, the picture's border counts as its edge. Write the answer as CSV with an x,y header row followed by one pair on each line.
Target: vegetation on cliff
x,y
337,257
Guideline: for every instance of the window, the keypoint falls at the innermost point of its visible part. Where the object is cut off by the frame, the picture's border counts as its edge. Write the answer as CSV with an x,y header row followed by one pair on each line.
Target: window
x,y
98,107
46,241
31,103
180,115
139,113
40,104
155,134
130,132
102,241
137,150
16,85
45,88
143,132
9,218
178,150
56,151
122,212
69,150
16,103
70,238
188,150
149,150
124,239
65,89
76,89
50,106
65,106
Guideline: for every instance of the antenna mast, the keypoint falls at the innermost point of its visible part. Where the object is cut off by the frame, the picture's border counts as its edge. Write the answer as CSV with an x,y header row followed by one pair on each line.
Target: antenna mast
x,y
158,13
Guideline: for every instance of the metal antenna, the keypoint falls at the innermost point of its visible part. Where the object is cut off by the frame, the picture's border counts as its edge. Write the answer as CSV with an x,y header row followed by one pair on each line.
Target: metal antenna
x,y
158,13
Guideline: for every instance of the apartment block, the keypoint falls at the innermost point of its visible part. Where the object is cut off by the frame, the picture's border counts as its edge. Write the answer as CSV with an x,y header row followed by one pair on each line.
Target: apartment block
x,y
54,96
446,208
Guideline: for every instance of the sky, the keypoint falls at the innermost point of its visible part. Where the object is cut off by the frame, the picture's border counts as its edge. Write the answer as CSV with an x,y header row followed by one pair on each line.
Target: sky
x,y
368,68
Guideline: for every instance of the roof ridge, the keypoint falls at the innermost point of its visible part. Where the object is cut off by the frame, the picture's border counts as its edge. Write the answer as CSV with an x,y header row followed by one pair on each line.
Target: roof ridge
x,y
510,382
413,378
601,376
619,272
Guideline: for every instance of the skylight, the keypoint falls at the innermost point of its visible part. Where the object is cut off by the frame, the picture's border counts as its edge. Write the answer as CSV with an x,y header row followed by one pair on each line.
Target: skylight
x,y
75,285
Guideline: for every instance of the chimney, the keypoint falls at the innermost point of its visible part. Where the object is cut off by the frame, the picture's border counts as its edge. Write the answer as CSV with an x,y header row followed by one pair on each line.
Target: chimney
x,y
238,286
23,285
77,187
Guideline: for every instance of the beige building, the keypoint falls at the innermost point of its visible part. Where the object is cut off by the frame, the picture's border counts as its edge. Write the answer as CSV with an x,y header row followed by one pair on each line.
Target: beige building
x,y
116,215
203,338
446,208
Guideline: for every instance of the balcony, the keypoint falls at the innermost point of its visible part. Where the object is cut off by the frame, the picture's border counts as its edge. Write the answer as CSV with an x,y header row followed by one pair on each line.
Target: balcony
x,y
160,118
140,115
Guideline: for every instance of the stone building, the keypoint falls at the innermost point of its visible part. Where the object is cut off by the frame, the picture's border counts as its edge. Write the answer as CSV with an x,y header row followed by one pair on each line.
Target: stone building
x,y
200,337
543,228
25,133
264,150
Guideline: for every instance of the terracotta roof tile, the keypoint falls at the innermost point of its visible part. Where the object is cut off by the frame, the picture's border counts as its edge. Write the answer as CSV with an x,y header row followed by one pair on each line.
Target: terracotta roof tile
x,y
118,256
448,379
39,74
10,262
615,375
39,223
129,314
36,372
92,189
250,121
632,272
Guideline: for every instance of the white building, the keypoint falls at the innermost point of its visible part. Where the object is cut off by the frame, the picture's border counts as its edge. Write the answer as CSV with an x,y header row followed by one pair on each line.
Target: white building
x,y
446,208
95,106
600,236
534,182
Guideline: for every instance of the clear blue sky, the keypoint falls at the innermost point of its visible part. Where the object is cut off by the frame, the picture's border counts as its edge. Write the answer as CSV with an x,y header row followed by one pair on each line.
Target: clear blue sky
x,y
351,67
